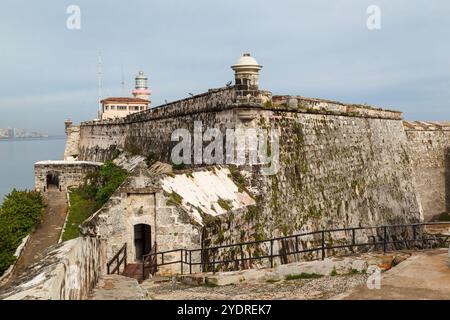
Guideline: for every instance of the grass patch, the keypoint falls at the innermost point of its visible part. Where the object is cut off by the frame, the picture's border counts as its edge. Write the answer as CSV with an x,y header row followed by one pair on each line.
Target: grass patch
x,y
87,199
81,207
272,281
303,275
333,272
353,271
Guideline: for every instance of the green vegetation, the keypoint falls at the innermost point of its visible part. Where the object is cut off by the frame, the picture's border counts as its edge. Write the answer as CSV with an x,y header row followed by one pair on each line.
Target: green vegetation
x,y
102,184
272,281
238,179
333,272
303,275
174,199
353,271
90,197
179,166
151,159
227,205
444,217
19,213
82,206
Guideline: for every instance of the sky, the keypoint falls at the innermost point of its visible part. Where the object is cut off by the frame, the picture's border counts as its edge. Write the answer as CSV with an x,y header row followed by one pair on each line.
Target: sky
x,y
316,48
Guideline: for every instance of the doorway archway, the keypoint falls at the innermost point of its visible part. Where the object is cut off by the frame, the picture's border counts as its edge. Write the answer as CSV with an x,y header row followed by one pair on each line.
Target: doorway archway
x,y
52,180
142,240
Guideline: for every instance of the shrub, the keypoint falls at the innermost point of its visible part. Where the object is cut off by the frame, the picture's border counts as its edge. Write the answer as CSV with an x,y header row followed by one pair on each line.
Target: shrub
x,y
19,213
101,185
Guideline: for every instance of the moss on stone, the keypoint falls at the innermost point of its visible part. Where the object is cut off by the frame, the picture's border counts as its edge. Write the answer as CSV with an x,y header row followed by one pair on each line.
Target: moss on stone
x,y
174,199
227,205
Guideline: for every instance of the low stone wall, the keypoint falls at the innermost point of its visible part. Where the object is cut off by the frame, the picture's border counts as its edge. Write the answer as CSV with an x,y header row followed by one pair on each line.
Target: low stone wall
x,y
68,271
68,173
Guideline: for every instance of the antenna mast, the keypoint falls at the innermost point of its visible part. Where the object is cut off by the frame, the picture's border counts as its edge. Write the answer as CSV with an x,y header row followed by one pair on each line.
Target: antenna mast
x,y
122,83
99,73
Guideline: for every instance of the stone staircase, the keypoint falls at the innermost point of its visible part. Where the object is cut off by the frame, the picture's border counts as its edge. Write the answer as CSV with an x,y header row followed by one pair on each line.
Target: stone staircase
x,y
134,271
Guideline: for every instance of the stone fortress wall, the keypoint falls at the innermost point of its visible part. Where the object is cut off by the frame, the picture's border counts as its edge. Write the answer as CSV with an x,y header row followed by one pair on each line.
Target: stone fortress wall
x,y
341,165
429,150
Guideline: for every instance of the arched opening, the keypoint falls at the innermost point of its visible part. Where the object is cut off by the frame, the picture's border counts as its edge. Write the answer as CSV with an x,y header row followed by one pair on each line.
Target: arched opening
x,y
52,180
142,240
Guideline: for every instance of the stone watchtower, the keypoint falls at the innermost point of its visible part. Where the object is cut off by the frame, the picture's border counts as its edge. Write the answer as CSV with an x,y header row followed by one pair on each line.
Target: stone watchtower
x,y
246,75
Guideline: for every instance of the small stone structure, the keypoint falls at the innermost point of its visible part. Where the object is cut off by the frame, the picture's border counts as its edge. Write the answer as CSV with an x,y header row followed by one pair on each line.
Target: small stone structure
x,y
62,174
173,206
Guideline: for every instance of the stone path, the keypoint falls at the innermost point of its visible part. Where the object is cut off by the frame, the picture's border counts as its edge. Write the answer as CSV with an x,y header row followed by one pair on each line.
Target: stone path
x,y
46,233
425,275
320,288
117,287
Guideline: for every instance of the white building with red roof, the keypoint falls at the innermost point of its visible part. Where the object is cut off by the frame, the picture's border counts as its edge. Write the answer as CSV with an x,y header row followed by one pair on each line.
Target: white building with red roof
x,y
119,107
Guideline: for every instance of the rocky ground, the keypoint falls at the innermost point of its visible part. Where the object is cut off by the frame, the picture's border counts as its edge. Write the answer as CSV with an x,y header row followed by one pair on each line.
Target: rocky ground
x,y
320,288
326,279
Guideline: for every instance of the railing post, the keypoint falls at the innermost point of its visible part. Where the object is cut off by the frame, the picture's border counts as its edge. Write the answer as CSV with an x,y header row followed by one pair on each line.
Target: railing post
x,y
296,244
181,260
125,260
214,262
384,239
202,259
414,234
143,268
117,264
190,262
107,268
353,239
271,253
242,256
323,245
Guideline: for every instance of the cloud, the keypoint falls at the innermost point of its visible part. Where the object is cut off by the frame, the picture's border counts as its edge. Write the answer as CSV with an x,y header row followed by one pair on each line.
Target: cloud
x,y
314,48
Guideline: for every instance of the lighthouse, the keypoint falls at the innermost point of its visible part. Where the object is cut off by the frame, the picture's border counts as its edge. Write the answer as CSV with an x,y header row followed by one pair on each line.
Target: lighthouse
x,y
141,90
119,107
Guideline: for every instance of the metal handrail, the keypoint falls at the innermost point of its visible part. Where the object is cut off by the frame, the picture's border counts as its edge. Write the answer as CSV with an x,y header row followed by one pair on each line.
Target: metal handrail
x,y
186,254
117,260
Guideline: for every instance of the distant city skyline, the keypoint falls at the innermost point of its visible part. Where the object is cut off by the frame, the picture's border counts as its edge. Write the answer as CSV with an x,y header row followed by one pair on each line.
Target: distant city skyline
x,y
20,133
317,49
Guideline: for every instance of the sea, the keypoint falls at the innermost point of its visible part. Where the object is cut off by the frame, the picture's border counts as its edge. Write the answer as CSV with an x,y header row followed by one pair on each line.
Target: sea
x,y
17,159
